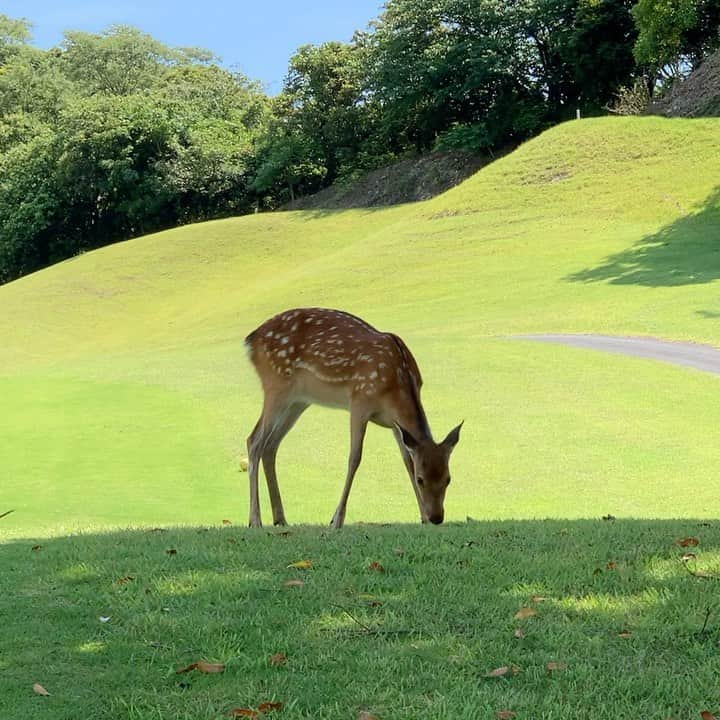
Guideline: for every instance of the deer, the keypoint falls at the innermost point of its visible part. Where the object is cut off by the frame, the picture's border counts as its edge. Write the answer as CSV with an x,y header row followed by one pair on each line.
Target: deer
x,y
307,356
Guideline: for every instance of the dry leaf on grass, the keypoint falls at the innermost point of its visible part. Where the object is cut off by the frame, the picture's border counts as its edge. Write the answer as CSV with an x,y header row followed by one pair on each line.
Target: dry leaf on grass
x,y
244,712
376,567
519,633
227,522
526,612
625,634
293,583
688,542
124,580
707,715
612,565
503,671
267,707
38,689
279,658
301,564
551,666
365,715
203,667
505,715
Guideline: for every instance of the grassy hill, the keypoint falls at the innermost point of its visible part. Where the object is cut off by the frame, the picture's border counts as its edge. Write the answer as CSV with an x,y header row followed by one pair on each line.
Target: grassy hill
x,y
127,394
126,399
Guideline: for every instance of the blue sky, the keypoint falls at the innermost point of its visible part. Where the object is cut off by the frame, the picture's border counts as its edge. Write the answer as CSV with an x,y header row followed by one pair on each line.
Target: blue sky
x,y
256,38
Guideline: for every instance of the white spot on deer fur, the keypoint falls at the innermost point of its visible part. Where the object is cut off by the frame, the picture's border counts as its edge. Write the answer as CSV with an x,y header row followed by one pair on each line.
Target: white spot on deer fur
x,y
294,327
284,340
282,353
309,319
291,349
373,375
269,334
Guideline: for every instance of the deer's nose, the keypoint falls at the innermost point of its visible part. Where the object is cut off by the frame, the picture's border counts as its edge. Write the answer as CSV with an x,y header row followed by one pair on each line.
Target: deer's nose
x,y
436,519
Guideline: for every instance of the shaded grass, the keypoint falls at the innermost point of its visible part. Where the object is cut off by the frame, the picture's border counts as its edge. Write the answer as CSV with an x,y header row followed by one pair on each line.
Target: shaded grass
x,y
415,641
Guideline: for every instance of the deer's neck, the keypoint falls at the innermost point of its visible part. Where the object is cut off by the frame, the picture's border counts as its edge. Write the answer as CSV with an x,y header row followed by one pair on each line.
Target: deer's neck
x,y
411,415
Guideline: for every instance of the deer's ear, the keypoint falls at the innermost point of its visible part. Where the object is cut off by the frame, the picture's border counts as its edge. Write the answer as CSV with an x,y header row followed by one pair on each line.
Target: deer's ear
x,y
452,438
408,439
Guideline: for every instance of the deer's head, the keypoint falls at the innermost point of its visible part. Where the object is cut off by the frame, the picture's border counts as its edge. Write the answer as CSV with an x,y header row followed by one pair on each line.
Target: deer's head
x,y
431,468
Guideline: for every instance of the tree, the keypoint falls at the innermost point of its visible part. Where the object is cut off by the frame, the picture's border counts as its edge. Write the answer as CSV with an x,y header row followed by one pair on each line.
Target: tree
x,y
674,36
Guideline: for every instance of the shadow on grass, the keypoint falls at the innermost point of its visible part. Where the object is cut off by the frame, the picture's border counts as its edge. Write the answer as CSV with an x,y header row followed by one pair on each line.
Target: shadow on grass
x,y
686,252
103,621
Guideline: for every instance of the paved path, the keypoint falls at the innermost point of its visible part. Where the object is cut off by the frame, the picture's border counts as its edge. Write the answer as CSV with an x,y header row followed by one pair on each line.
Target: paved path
x,y
700,357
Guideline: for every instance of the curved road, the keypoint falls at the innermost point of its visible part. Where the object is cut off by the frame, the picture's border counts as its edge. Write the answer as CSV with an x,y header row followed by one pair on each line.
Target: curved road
x,y
694,355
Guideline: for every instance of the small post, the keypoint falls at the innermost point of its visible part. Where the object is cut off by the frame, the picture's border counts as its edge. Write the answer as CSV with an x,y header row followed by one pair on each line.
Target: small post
x,y
577,113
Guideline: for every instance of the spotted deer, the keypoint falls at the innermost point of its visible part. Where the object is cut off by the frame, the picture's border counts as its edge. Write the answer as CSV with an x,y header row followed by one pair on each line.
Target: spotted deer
x,y
335,359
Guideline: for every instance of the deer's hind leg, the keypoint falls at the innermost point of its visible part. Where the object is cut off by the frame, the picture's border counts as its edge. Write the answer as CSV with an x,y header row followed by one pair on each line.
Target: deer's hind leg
x,y
269,455
275,409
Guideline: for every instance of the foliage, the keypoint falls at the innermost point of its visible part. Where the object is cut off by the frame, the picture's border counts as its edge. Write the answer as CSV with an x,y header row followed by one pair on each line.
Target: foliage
x,y
115,135
675,36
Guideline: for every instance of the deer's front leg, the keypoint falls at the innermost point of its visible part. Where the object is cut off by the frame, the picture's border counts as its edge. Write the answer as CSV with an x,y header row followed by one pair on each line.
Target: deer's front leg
x,y
358,425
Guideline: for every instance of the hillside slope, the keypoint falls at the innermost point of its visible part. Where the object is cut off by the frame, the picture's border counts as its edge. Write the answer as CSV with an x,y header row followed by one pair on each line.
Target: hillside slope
x,y
123,373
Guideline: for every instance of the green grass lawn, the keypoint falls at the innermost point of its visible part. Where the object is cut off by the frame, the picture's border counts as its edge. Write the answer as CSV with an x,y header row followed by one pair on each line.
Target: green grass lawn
x,y
127,396
413,638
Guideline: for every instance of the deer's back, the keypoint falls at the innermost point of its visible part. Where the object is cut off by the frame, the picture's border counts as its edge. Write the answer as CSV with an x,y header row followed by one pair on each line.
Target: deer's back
x,y
313,347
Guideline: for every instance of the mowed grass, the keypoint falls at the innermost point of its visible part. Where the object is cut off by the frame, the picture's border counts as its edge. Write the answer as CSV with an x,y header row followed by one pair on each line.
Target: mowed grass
x,y
401,622
126,398
125,373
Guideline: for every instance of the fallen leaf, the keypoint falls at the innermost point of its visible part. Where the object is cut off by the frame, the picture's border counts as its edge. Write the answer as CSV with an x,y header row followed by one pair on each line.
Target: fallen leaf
x,y
537,598
556,666
267,707
294,583
244,712
36,547
608,517
612,565
124,580
519,633
505,715
625,634
279,658
171,551
243,464
502,671
38,689
707,715
104,618
524,613
227,522
365,715
376,566
301,564
399,551
688,542
689,556
203,667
